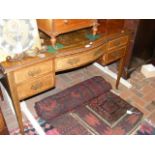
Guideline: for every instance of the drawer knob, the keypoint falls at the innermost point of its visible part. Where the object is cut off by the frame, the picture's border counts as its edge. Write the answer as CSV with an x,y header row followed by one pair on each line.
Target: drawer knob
x,y
36,86
65,21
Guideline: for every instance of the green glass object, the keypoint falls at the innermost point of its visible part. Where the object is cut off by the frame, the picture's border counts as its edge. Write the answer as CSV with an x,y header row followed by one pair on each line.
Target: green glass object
x,y
54,49
92,37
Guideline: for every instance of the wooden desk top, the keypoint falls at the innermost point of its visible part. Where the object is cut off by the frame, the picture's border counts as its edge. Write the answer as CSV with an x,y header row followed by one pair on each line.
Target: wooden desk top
x,y
8,66
73,42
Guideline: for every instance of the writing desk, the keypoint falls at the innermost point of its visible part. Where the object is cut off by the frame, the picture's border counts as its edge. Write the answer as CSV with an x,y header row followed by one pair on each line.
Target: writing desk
x,y
33,75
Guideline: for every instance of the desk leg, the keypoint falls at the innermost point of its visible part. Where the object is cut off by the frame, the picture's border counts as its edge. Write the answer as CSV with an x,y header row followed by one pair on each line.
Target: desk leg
x,y
15,101
1,95
120,70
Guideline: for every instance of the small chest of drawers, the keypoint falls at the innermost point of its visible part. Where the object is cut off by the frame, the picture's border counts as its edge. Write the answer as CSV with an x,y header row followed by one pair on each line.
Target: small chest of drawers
x,y
54,27
59,26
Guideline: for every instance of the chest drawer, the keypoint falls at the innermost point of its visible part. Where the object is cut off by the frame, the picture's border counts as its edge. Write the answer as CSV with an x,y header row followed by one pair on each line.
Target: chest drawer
x,y
113,55
66,25
117,42
30,88
33,71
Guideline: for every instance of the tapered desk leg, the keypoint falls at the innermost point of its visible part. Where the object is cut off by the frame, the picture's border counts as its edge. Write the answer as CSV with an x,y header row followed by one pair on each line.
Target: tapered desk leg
x,y
120,70
15,101
1,95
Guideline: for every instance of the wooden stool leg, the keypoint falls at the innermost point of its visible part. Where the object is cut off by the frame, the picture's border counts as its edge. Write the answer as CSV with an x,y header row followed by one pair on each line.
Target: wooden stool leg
x,y
94,30
120,71
53,41
95,24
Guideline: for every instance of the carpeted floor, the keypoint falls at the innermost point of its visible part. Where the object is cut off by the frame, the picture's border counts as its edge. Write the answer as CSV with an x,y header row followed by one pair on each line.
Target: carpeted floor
x,y
145,128
141,95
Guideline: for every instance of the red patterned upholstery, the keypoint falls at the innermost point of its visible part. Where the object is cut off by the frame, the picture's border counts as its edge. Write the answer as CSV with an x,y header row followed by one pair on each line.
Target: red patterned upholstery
x,y
72,97
89,108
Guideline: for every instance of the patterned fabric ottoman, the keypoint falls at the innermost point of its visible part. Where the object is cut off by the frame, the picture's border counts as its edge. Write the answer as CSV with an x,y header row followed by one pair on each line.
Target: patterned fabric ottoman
x,y
89,108
72,97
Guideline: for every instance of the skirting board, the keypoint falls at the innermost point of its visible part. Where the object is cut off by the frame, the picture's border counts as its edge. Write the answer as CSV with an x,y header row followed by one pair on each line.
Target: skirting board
x,y
31,118
112,74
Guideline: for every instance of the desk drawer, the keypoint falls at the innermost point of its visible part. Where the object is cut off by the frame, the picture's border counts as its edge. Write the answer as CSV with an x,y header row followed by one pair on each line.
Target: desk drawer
x,y
113,55
29,88
66,25
77,60
117,42
33,71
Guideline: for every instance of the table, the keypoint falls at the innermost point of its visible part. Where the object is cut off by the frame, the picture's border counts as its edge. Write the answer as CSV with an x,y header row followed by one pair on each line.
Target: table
x,y
33,75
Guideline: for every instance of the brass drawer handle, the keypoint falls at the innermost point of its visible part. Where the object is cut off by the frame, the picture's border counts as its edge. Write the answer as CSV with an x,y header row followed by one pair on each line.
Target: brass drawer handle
x,y
34,72
37,86
116,43
116,54
73,61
